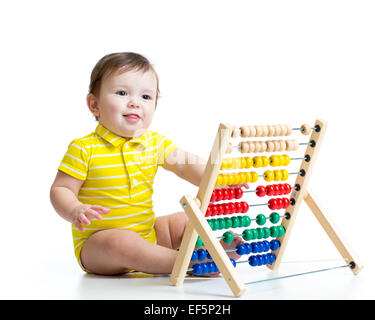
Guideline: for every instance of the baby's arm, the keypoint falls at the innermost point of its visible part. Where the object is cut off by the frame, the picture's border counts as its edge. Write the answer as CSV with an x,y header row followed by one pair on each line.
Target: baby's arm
x,y
186,165
64,199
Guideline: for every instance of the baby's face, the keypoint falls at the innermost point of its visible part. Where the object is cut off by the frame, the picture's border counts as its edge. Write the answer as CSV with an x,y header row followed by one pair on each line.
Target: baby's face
x,y
126,102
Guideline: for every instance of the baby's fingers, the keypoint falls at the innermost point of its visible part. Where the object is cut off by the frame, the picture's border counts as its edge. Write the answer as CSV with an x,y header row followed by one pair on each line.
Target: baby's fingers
x,y
92,214
100,209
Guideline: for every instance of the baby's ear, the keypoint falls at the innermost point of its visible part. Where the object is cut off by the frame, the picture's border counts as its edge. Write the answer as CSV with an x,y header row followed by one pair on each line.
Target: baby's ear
x,y
92,103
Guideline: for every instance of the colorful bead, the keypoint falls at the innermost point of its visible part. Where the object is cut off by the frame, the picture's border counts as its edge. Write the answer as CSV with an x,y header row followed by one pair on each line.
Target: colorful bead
x,y
274,161
277,175
274,217
238,193
235,222
254,176
202,254
245,207
249,162
199,242
261,191
246,221
261,219
274,244
268,175
258,162
197,269
228,237
240,249
247,235
285,174
266,232
266,161
194,257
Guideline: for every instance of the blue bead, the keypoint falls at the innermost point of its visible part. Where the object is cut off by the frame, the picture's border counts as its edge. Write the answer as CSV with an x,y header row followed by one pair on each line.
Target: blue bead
x,y
202,254
275,244
240,249
208,255
233,262
248,248
205,268
254,247
266,259
211,267
260,246
260,259
197,269
194,257
271,258
253,261
266,245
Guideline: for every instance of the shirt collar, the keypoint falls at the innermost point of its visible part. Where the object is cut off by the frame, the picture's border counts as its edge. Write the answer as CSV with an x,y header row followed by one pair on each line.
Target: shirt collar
x,y
117,140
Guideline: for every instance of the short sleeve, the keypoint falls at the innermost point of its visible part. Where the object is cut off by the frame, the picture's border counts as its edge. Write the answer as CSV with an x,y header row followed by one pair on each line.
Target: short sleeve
x,y
75,161
164,148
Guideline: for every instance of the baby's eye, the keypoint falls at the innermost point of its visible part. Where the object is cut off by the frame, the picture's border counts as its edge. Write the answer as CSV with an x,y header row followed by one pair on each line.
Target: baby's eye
x,y
146,97
121,93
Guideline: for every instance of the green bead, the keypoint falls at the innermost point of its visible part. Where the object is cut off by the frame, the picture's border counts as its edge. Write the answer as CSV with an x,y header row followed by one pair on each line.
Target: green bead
x,y
240,218
267,232
215,224
254,234
261,219
199,242
210,222
228,237
246,221
228,223
221,223
274,217
235,222
281,230
247,235
274,232
260,233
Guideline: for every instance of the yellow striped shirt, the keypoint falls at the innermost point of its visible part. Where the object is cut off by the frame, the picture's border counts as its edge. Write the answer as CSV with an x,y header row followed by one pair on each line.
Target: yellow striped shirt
x,y
118,174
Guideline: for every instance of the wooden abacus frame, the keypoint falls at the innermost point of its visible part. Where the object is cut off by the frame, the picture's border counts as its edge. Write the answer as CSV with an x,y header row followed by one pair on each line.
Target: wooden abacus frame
x,y
195,209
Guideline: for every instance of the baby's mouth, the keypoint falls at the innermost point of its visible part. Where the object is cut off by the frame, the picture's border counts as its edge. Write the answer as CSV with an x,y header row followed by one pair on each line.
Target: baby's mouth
x,y
133,116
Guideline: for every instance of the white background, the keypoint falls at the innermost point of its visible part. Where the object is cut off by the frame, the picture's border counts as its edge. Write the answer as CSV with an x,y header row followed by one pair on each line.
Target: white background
x,y
239,62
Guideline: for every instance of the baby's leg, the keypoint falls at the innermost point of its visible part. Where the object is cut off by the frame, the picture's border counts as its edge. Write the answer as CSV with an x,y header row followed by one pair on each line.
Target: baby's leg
x,y
114,251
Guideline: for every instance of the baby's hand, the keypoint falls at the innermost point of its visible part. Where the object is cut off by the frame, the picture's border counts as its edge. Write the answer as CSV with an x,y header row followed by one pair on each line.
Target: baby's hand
x,y
83,213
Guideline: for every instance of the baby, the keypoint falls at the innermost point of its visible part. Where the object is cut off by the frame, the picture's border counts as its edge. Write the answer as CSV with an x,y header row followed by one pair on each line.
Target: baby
x,y
104,184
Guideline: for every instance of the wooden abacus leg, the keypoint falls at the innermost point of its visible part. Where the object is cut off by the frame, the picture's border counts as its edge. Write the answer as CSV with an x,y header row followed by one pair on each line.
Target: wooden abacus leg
x,y
332,232
182,262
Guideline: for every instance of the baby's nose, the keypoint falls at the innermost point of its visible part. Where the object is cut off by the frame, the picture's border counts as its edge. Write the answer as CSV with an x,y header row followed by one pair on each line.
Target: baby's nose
x,y
133,103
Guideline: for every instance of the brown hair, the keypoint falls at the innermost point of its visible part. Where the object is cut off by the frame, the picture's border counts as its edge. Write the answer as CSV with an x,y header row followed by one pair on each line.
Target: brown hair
x,y
122,60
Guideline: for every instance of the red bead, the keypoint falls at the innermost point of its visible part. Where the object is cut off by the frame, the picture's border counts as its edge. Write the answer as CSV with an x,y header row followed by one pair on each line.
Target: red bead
x,y
270,190
280,203
232,208
245,206
239,207
232,194
213,210
226,208
220,209
209,211
286,203
277,190
281,188
225,194
288,188
239,193
219,195
272,204
261,191
213,196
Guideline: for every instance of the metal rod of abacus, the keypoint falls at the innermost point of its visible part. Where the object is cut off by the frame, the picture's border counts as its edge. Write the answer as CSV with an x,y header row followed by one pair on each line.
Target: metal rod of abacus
x,y
298,274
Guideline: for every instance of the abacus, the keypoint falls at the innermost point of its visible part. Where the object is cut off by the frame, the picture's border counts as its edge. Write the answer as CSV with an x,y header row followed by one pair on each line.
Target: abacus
x,y
208,213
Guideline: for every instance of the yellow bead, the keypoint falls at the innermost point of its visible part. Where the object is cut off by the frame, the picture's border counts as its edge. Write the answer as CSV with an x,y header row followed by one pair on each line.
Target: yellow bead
x,y
249,177
231,179
274,161
254,176
219,180
285,174
229,163
243,163
266,161
225,180
237,178
237,163
277,175
249,162
281,160
286,159
268,175
242,177
258,162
